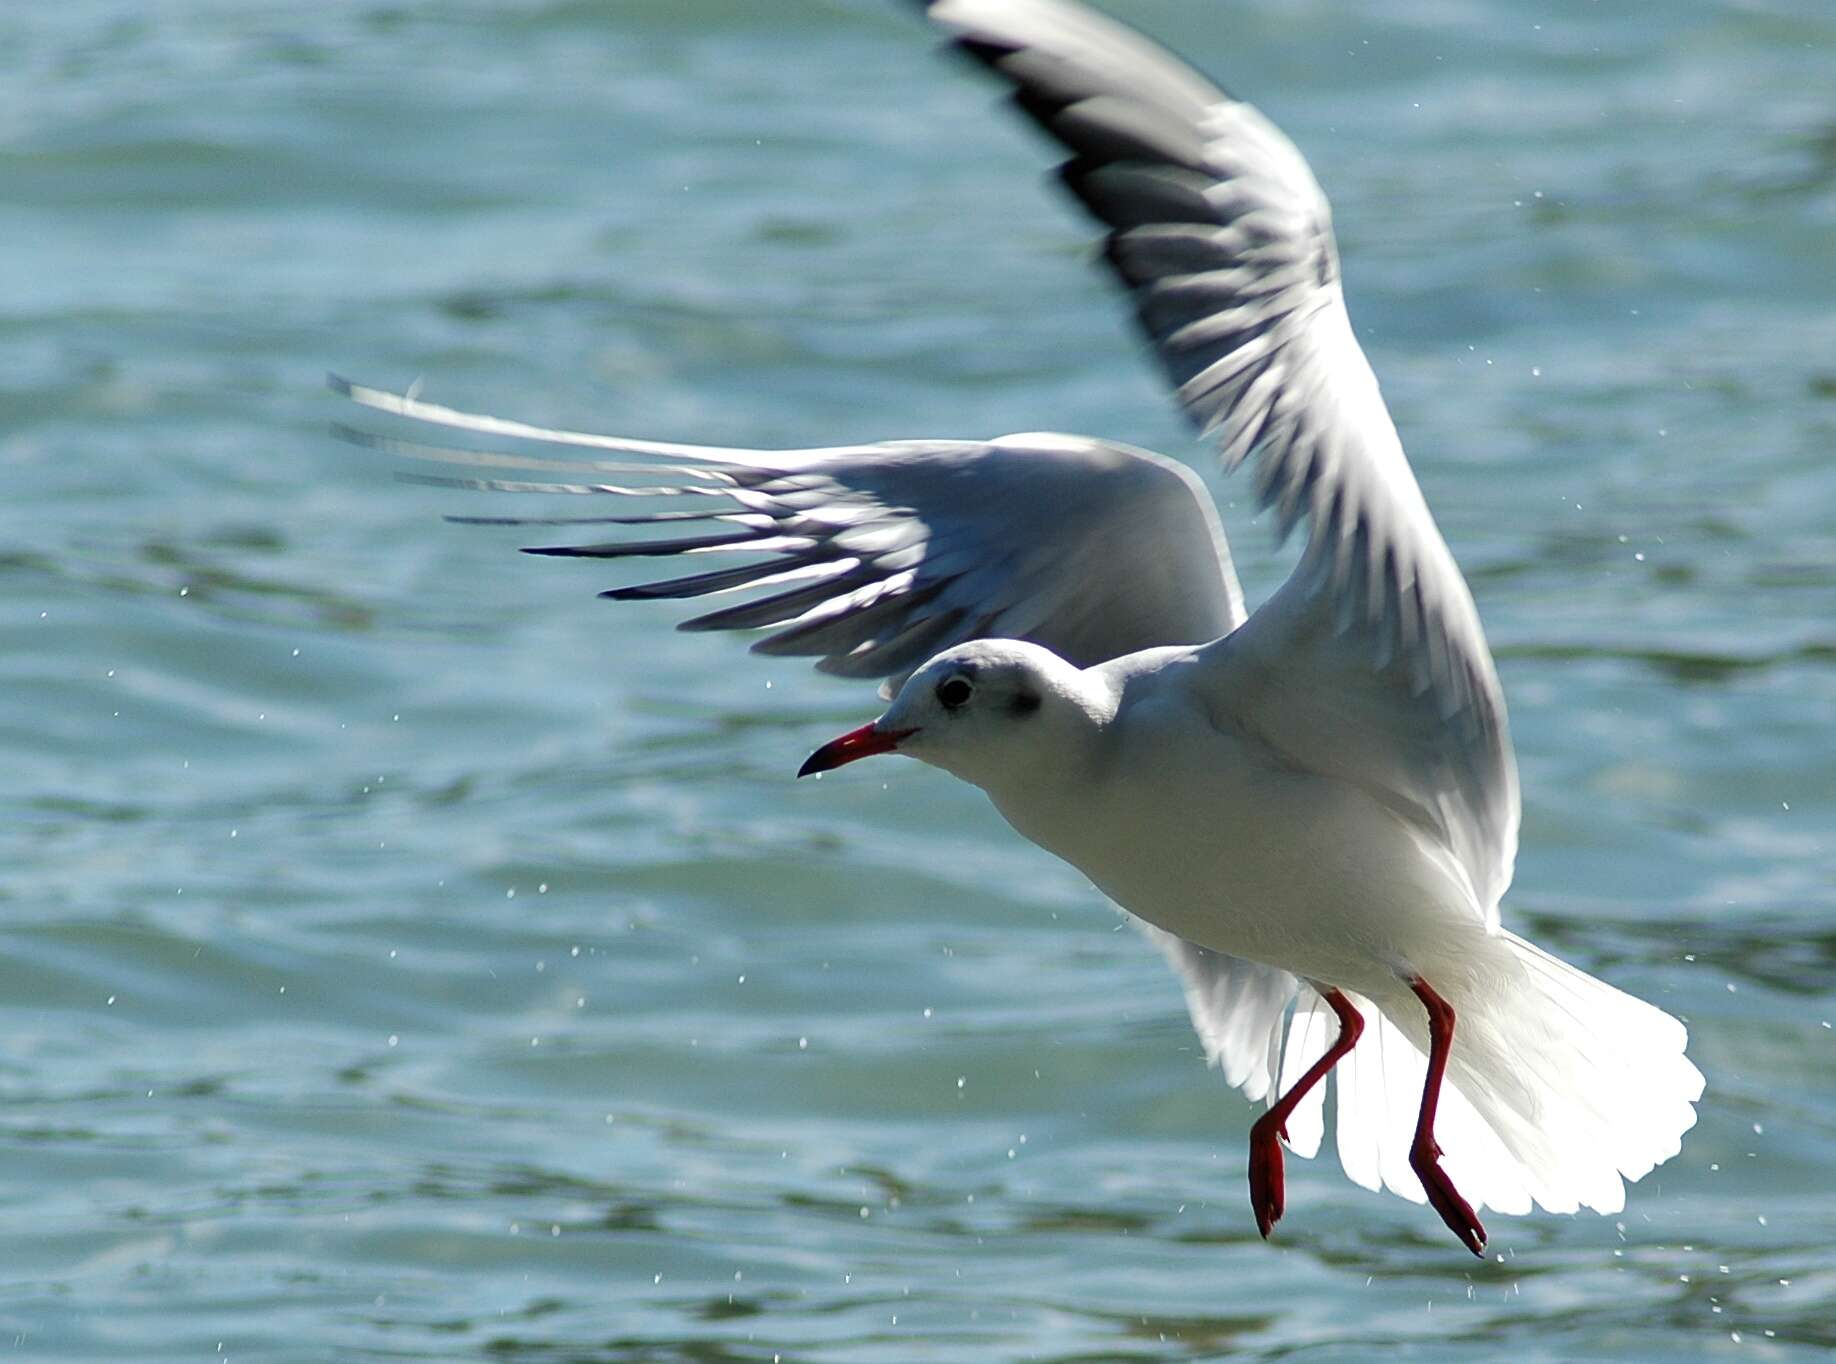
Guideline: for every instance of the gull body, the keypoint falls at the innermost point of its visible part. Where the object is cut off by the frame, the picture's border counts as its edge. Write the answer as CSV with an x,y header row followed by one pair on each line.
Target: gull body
x,y
1136,775
1312,811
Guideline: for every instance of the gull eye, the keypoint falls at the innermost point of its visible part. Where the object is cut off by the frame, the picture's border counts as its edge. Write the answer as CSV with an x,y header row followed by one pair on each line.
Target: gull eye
x,y
954,692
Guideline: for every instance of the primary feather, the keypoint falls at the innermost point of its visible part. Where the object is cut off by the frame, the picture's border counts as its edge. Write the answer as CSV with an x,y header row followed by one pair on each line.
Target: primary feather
x,y
1368,670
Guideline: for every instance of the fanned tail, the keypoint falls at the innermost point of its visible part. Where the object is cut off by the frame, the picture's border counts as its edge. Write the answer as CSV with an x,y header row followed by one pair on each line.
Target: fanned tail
x,y
1560,1089
1585,1085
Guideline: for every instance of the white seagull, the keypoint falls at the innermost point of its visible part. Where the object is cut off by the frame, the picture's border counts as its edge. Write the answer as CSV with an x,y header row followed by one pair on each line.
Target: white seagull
x,y
1312,810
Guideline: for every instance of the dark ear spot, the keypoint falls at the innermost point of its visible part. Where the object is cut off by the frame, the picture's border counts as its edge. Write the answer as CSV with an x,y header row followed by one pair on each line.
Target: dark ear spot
x,y
1025,702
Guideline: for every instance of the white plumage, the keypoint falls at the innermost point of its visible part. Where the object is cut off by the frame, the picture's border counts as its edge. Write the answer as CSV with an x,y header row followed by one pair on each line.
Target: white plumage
x,y
1313,810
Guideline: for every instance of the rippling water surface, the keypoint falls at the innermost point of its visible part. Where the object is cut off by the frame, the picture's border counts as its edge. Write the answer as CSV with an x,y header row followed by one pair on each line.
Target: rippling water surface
x,y
405,955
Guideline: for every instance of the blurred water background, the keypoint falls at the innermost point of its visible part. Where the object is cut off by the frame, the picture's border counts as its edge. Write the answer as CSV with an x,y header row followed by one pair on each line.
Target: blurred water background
x,y
404,955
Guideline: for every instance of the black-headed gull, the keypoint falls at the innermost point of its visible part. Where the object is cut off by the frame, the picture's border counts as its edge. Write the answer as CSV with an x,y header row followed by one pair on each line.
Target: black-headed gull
x,y
1312,810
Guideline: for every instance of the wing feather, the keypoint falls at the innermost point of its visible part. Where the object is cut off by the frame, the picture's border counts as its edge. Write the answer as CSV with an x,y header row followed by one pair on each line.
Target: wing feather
x,y
1370,662
1238,1009
891,552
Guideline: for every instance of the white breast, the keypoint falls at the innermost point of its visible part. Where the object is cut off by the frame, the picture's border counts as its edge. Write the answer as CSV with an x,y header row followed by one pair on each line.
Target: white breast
x,y
1204,834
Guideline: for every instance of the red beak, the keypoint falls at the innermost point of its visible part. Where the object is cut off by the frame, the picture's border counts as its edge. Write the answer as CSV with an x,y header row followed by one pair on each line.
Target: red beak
x,y
856,743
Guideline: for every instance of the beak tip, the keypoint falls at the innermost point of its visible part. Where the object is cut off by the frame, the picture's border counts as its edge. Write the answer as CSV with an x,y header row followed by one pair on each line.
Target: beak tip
x,y
859,743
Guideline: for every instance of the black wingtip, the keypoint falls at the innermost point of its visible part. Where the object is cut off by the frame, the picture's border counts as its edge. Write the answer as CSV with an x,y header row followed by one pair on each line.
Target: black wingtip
x,y
982,53
340,385
650,549
352,435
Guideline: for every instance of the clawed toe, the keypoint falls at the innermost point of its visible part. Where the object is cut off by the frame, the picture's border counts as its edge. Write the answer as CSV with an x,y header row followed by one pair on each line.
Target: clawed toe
x,y
1445,1199
1267,1181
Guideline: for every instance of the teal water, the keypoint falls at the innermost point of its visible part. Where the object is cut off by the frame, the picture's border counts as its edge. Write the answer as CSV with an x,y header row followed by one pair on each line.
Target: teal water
x,y
404,955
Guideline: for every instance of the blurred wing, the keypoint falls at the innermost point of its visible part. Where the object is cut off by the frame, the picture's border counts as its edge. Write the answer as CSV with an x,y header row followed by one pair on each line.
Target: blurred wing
x,y
1237,1009
1370,663
879,556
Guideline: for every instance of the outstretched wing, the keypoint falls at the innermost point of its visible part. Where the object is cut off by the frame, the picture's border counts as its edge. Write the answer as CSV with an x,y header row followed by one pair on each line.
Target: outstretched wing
x,y
1370,662
879,556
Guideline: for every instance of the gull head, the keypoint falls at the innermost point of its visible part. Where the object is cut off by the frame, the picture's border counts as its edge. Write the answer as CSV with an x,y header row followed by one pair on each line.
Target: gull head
x,y
982,711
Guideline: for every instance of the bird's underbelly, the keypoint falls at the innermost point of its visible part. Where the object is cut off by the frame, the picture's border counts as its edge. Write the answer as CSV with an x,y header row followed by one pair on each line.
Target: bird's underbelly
x,y
1302,872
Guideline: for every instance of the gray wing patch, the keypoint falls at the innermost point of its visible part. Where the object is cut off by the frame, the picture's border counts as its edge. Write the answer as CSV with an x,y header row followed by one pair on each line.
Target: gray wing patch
x,y
872,558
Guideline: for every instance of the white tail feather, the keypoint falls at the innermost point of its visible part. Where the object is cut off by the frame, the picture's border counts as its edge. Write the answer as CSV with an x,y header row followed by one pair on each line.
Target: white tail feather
x,y
1560,1088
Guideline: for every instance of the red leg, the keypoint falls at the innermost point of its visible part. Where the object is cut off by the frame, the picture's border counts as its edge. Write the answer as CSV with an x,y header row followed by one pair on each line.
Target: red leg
x,y
1425,1154
1268,1192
